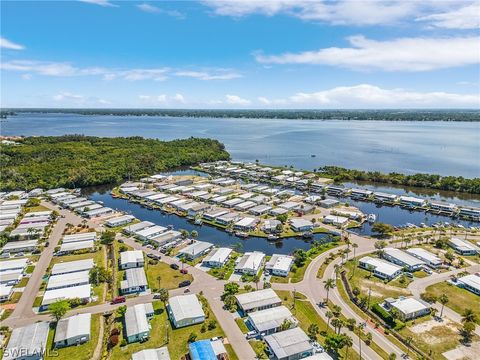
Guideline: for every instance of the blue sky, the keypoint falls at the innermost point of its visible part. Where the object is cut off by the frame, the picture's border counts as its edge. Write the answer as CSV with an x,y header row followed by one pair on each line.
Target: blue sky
x,y
240,54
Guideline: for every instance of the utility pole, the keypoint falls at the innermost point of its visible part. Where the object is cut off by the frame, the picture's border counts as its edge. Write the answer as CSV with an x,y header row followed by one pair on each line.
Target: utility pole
x,y
369,295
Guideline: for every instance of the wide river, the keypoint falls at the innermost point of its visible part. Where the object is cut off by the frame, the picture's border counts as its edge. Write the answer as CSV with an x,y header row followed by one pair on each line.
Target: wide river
x,y
446,148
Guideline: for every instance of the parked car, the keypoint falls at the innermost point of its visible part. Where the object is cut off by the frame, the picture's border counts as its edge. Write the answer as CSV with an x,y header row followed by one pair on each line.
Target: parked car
x,y
149,246
121,241
153,256
47,244
156,296
409,275
184,271
184,283
119,300
174,266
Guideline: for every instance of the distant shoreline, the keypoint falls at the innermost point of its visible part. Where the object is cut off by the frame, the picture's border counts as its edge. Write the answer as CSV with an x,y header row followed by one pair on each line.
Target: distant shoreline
x,y
457,115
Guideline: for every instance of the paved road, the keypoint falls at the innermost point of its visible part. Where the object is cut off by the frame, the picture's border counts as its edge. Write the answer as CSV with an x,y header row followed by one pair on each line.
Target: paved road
x,y
23,309
418,286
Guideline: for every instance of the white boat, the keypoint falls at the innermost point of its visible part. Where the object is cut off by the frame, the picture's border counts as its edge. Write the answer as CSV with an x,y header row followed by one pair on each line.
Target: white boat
x,y
371,218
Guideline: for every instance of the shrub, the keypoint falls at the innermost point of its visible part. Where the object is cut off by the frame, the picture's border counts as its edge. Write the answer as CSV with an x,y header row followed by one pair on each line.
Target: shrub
x,y
377,309
212,324
123,343
113,340
192,337
114,331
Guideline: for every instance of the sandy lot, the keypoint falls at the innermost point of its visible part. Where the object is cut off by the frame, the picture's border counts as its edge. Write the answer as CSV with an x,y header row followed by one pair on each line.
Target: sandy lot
x,y
464,352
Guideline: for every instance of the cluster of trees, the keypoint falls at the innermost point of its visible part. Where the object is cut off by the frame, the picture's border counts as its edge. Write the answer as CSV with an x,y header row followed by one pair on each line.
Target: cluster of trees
x,y
391,115
431,181
78,161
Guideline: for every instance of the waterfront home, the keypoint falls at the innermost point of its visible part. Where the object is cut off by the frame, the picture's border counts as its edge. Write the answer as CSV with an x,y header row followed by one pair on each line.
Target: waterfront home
x,y
270,321
329,203
72,267
260,210
74,330
197,209
411,201
19,246
27,342
403,259
185,310
470,282
380,268
270,225
152,354
136,319
426,256
68,280
228,218
407,308
246,224
166,200
470,212
214,213
166,237
99,212
135,281
179,203
463,247
81,205
212,349
442,207
150,232
360,194
290,344
339,221
351,214
279,265
250,263
257,300
300,225
131,229
81,292
131,259
195,250
120,220
244,206
217,258
155,197
6,292
335,190
90,207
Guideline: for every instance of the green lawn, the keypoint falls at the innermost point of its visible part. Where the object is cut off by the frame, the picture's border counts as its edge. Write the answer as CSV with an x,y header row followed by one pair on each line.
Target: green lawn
x,y
241,324
30,269
37,208
170,278
80,352
22,283
458,299
15,297
259,347
227,270
176,340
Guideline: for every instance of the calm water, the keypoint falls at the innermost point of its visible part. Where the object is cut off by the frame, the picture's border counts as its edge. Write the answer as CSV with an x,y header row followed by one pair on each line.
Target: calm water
x,y
205,233
446,148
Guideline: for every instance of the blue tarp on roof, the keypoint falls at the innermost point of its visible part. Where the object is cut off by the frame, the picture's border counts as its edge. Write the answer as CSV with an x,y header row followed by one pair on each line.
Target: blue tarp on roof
x,y
202,350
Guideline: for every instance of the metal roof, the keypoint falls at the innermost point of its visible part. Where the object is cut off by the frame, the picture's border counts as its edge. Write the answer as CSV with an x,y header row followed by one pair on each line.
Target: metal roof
x,y
29,340
258,298
152,354
72,266
74,326
288,343
136,321
270,318
185,307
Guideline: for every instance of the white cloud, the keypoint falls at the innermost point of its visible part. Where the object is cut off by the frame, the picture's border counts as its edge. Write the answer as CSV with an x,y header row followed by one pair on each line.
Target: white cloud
x,y
236,100
156,10
70,99
139,74
50,68
367,12
203,75
7,44
404,54
104,3
370,96
26,76
466,17
162,98
179,98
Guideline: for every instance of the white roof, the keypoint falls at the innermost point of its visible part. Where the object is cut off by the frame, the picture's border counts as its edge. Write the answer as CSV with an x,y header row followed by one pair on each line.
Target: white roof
x,y
136,321
152,354
19,245
79,237
402,256
424,255
72,327
13,264
196,248
246,222
102,210
463,245
381,266
219,255
29,341
120,219
299,222
270,318
134,277
409,305
279,262
185,307
139,226
153,230
472,280
65,280
258,298
38,213
336,219
78,245
72,266
81,291
411,199
289,205
131,256
288,343
5,290
251,260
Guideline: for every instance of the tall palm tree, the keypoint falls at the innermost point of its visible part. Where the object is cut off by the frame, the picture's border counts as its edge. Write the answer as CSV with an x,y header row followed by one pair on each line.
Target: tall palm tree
x,y
329,316
443,300
328,285
348,342
354,246
469,316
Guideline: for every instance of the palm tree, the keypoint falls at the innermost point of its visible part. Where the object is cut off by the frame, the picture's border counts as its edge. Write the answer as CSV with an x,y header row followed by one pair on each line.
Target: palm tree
x,y
469,316
348,342
256,280
443,300
159,279
328,284
354,246
329,316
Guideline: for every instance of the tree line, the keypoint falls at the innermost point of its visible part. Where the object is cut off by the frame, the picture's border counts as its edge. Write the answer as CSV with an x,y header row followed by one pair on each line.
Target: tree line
x,y
78,161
